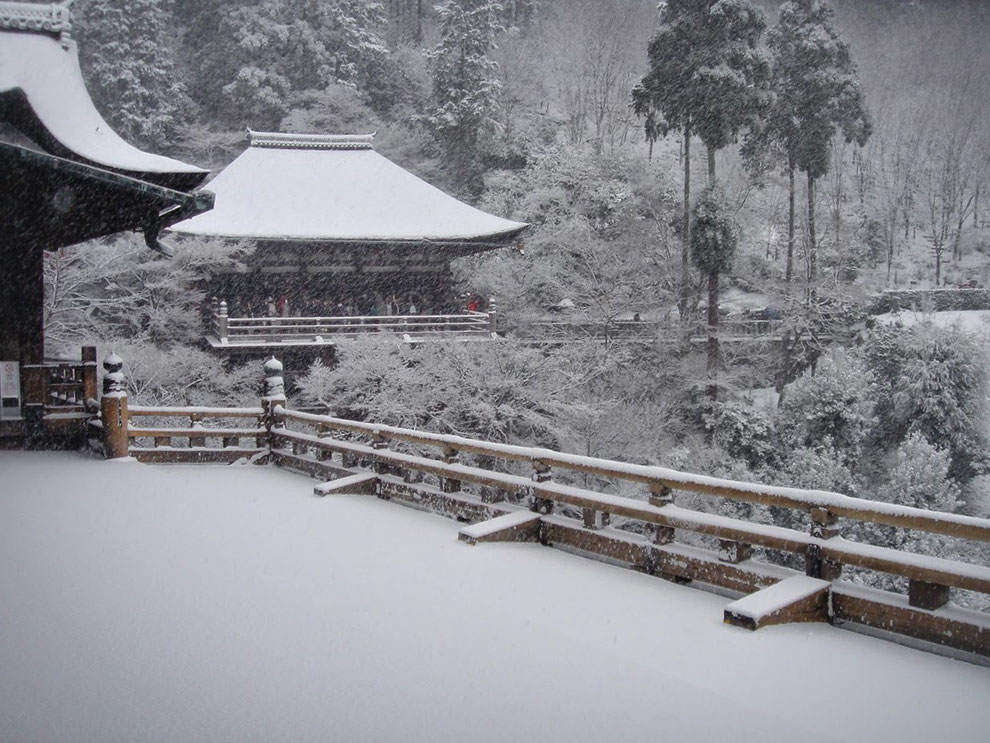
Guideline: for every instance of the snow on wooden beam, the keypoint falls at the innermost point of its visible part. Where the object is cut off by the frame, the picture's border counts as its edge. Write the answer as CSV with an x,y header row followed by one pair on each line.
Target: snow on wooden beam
x,y
796,599
519,526
360,484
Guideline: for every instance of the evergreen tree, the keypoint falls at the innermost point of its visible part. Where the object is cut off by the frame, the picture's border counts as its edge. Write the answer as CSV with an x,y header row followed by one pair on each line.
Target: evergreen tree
x,y
714,237
252,59
707,77
127,59
818,95
933,381
465,87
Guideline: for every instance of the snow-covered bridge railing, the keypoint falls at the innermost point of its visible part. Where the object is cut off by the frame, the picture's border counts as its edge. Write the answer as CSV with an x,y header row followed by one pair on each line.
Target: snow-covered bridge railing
x,y
252,332
623,513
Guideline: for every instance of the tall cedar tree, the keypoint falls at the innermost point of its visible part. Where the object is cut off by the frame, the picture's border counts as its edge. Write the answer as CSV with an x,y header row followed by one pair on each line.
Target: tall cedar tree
x,y
127,59
714,237
818,95
465,86
707,77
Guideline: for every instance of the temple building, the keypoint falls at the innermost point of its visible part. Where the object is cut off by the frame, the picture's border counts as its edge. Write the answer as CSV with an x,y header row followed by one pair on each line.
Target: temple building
x,y
338,231
65,177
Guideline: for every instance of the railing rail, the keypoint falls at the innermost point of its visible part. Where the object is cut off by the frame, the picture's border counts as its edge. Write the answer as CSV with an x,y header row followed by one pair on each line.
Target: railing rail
x,y
659,479
649,531
230,330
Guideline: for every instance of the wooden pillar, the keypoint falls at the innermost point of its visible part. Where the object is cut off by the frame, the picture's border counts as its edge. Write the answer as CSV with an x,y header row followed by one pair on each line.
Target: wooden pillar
x,y
824,525
273,395
113,408
89,376
541,473
449,484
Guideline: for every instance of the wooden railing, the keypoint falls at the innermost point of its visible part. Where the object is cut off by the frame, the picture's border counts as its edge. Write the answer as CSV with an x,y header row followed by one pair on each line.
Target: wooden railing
x,y
230,331
521,493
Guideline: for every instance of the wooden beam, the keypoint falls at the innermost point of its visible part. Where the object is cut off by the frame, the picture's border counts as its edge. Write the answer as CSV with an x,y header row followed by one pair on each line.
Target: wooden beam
x,y
518,526
797,599
364,483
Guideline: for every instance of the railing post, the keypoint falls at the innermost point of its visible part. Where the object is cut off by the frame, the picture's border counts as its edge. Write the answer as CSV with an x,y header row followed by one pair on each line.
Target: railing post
x,y
449,484
89,376
824,525
541,473
222,321
660,496
113,408
272,395
379,443
492,317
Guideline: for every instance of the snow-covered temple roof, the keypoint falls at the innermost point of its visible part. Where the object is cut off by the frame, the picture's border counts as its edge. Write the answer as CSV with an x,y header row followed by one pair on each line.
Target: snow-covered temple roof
x,y
43,97
65,175
336,188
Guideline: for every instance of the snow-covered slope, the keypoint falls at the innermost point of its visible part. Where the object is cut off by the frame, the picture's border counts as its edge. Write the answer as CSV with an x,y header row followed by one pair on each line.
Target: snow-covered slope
x,y
230,604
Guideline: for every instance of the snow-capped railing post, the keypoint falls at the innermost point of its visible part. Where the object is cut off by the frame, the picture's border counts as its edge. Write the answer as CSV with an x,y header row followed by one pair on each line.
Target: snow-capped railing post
x,y
492,316
449,484
222,321
542,472
824,525
273,395
379,443
660,496
113,408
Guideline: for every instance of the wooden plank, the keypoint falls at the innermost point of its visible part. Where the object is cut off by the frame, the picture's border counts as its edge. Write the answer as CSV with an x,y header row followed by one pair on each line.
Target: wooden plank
x,y
797,599
518,526
949,626
358,484
192,456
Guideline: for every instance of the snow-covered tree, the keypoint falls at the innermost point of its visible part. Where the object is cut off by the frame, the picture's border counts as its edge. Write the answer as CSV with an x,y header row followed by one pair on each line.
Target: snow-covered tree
x,y
833,409
817,96
254,56
496,391
465,85
707,77
714,236
127,57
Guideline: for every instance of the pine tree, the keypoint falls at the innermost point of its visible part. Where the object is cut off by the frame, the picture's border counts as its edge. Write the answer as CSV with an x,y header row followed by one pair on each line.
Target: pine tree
x,y
818,95
465,87
127,59
707,77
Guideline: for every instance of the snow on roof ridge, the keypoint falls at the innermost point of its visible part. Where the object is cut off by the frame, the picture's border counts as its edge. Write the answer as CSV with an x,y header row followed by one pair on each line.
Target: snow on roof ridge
x,y
288,140
54,18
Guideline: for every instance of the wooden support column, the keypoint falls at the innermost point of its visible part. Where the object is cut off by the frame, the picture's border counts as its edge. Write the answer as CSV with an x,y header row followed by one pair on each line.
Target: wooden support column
x,y
924,595
542,472
379,443
733,552
113,408
195,421
89,376
824,525
273,395
449,484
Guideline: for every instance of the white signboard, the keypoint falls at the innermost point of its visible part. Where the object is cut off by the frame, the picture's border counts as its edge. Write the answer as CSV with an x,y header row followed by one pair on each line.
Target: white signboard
x,y
10,389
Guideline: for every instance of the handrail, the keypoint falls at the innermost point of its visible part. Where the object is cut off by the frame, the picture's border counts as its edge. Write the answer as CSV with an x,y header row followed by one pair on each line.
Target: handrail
x,y
888,514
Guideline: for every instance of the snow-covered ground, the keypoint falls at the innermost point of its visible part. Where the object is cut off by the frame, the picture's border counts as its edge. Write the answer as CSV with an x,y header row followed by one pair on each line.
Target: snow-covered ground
x,y
230,604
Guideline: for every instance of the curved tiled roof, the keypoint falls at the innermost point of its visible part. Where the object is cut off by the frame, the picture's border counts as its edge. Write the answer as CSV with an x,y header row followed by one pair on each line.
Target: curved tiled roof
x,y
336,188
45,97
